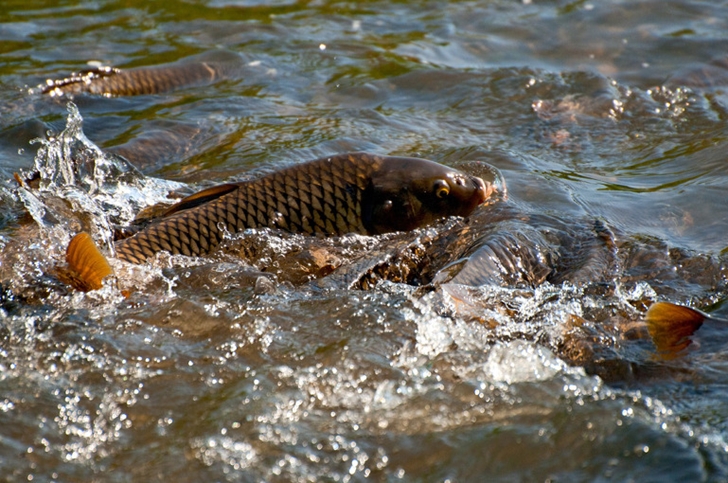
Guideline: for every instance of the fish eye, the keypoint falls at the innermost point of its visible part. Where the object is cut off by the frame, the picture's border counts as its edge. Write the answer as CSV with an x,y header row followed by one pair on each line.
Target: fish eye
x,y
442,189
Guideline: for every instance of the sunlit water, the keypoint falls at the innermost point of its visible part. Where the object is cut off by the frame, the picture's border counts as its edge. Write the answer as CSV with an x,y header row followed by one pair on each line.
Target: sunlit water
x,y
607,121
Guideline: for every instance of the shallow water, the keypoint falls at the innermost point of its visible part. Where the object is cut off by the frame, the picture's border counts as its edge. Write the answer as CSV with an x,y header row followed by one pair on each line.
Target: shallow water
x,y
606,119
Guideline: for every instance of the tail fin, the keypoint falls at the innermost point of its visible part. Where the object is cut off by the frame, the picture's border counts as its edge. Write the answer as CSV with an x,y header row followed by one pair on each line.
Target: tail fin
x,y
88,263
672,325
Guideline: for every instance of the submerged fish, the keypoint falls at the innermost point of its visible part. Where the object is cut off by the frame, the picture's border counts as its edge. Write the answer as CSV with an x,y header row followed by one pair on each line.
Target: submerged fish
x,y
112,82
348,193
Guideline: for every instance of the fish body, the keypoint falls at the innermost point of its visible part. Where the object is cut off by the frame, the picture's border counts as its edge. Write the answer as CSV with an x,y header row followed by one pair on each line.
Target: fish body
x,y
112,82
348,193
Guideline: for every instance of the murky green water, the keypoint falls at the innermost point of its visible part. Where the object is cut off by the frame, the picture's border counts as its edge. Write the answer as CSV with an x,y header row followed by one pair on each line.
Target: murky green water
x,y
608,122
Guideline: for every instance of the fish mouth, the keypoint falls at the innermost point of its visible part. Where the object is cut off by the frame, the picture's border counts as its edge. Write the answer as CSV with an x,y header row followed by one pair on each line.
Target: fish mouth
x,y
483,190
492,188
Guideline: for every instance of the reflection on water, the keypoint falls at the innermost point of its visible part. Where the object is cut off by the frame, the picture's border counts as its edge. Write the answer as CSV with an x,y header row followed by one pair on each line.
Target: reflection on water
x,y
289,358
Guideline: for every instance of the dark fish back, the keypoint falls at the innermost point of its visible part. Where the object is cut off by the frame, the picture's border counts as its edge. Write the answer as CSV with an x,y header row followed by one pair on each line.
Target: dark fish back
x,y
320,197
154,147
107,81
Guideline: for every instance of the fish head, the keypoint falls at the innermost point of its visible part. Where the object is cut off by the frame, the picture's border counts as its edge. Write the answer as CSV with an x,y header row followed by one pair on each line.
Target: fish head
x,y
407,193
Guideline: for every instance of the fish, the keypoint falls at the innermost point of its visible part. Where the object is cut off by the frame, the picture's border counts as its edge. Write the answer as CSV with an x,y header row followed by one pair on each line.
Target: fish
x,y
709,76
87,263
672,326
113,82
156,146
358,192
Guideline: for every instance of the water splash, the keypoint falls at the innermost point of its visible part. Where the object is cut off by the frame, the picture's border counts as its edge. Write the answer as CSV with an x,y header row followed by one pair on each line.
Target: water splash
x,y
79,184
74,186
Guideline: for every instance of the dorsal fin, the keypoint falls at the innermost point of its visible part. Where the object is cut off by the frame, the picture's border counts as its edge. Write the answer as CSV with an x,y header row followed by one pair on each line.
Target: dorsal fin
x,y
671,325
201,197
85,259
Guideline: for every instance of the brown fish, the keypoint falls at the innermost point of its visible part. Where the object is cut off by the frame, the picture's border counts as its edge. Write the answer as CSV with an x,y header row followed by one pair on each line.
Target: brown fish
x,y
348,193
671,326
112,82
87,263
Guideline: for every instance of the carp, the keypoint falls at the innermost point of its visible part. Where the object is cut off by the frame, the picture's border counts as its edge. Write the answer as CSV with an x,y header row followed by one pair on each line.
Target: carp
x,y
348,193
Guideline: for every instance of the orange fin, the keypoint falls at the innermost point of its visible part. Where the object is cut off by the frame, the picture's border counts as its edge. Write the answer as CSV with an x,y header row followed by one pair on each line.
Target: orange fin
x,y
201,197
89,264
671,325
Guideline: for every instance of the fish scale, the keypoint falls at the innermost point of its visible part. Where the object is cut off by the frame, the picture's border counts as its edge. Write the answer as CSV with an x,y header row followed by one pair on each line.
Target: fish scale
x,y
348,193
108,81
323,197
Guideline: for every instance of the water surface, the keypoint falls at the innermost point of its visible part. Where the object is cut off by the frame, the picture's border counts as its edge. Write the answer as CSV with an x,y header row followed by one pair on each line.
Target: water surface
x,y
606,112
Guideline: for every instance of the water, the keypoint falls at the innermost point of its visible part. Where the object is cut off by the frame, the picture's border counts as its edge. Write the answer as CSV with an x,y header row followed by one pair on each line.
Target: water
x,y
607,121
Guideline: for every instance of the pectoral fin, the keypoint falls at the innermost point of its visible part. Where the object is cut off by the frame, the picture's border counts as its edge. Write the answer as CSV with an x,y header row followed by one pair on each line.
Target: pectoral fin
x,y
671,326
87,263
